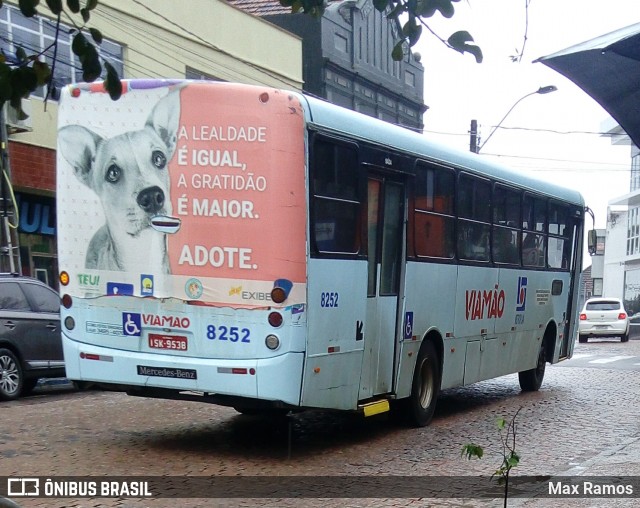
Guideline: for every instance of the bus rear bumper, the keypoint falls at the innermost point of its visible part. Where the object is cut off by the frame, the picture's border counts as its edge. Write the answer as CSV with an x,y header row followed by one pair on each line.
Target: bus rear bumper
x,y
276,379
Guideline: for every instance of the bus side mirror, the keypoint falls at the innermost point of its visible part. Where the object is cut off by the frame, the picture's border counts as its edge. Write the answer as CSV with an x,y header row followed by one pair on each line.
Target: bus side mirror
x,y
592,241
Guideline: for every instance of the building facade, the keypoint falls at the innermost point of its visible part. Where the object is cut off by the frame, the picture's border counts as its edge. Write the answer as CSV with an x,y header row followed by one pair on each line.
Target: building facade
x,y
621,277
347,59
145,39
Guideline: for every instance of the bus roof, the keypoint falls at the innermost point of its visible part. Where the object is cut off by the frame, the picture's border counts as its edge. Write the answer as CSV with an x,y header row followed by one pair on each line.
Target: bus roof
x,y
329,116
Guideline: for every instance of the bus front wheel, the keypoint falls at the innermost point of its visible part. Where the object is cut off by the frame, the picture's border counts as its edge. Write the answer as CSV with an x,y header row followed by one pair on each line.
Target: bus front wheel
x,y
425,387
531,380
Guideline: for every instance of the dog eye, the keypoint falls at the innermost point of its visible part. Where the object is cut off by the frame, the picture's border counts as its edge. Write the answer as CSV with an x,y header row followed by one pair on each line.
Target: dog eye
x,y
158,159
113,173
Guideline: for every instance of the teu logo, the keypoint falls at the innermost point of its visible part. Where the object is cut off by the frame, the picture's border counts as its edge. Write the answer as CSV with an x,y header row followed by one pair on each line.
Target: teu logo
x,y
85,279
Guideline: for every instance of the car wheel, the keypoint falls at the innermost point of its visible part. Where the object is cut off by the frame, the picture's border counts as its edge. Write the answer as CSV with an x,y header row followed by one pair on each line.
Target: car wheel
x,y
426,386
582,339
11,379
531,380
625,337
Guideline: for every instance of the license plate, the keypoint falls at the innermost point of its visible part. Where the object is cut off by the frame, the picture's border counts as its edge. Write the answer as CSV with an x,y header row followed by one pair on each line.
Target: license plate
x,y
161,341
601,327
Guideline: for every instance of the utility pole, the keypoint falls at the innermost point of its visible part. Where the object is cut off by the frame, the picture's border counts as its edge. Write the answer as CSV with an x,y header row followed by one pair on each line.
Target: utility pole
x,y
473,141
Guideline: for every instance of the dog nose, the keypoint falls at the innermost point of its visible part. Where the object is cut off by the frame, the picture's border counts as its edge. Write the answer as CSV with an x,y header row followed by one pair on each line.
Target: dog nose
x,y
151,200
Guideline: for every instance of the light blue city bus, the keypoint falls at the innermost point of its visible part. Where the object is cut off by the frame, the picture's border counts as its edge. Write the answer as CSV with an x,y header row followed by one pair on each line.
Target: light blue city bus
x,y
266,250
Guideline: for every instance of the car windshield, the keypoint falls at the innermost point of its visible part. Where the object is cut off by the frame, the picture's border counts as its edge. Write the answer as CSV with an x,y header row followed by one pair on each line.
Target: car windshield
x,y
603,305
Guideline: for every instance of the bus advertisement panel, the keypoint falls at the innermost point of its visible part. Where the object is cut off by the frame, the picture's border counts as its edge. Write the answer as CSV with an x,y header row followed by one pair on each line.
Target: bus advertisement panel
x,y
182,190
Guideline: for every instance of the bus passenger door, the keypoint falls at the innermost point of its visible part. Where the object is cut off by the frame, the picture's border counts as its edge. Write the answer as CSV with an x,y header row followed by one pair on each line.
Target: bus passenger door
x,y
386,254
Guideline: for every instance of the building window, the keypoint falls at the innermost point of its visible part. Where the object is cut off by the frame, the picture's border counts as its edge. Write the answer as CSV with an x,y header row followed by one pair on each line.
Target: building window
x,y
36,36
192,73
633,231
635,172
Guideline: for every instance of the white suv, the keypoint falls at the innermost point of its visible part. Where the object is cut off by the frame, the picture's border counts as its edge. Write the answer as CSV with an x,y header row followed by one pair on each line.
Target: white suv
x,y
603,317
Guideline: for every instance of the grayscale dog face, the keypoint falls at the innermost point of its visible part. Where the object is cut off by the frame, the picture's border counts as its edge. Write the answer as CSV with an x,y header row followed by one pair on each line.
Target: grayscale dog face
x,y
129,172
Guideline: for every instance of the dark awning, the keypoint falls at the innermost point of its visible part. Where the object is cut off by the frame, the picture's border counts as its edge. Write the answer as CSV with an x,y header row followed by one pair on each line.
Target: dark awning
x,y
608,69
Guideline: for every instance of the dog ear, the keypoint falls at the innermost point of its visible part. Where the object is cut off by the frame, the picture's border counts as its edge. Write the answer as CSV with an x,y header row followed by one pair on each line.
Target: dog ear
x,y
165,119
78,146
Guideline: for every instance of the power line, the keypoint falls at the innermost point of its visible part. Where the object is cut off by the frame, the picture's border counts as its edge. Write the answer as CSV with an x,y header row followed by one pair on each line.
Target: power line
x,y
559,160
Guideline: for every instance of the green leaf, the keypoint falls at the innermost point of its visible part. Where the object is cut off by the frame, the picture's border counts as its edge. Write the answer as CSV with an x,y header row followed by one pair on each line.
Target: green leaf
x,y
501,423
472,450
445,7
79,44
414,36
112,82
28,7
91,4
6,89
21,55
96,35
459,41
43,73
381,5
398,51
412,30
28,79
425,8
85,15
74,6
91,67
55,6
397,10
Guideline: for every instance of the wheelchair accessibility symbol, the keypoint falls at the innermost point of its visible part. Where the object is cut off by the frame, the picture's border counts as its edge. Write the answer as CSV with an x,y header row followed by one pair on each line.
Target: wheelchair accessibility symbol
x,y
131,324
408,325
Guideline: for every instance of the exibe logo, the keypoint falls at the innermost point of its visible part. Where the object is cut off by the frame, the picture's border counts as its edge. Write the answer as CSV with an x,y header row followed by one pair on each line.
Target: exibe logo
x,y
521,299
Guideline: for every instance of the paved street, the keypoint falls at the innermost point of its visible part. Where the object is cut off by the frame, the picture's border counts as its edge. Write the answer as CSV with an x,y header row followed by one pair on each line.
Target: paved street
x,y
585,420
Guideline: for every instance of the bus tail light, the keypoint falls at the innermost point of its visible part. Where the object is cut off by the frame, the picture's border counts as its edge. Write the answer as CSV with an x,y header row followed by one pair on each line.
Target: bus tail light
x,y
272,342
281,290
64,278
583,317
69,323
275,319
67,301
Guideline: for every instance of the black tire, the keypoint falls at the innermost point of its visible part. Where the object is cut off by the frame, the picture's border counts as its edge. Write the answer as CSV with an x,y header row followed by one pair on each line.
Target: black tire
x,y
425,387
531,380
11,376
625,337
582,339
28,385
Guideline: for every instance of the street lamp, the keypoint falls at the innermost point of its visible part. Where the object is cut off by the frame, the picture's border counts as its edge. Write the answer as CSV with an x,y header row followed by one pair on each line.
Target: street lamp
x,y
475,147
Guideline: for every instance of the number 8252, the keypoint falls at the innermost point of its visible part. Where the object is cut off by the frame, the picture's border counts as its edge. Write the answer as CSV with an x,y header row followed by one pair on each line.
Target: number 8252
x,y
229,333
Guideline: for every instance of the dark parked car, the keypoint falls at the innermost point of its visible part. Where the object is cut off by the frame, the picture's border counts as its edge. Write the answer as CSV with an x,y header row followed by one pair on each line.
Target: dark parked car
x,y
30,339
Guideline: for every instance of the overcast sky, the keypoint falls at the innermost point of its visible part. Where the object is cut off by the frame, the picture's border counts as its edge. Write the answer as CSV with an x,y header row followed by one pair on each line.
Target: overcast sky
x,y
457,89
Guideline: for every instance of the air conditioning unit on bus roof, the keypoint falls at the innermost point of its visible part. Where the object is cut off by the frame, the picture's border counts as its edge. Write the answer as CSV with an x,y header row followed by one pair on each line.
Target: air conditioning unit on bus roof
x,y
14,124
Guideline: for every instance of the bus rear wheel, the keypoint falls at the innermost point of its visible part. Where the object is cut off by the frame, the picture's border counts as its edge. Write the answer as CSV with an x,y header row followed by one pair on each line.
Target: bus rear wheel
x,y
531,380
425,387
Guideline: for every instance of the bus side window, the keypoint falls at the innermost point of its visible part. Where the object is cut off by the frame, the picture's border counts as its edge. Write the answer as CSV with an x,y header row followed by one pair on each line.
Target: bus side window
x,y
507,210
433,217
335,198
558,251
534,224
474,217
